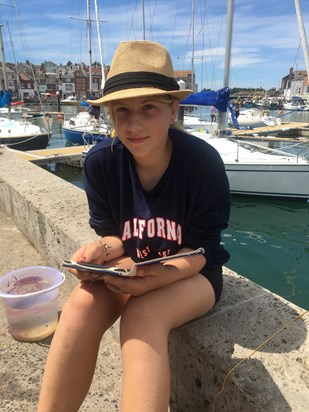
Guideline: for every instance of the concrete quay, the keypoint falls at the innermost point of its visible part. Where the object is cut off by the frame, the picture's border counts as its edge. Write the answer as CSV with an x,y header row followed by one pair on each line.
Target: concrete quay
x,y
22,364
239,344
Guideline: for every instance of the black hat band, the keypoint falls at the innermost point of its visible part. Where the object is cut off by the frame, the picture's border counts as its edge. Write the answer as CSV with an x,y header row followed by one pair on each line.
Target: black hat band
x,y
134,80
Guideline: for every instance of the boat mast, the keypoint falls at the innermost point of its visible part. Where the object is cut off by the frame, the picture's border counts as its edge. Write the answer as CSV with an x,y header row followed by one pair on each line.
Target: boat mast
x,y
5,80
193,46
36,88
100,44
89,45
3,56
16,72
222,123
3,60
143,15
89,42
302,33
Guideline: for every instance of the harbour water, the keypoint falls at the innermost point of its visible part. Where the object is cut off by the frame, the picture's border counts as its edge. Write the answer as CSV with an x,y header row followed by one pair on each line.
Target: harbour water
x,y
268,238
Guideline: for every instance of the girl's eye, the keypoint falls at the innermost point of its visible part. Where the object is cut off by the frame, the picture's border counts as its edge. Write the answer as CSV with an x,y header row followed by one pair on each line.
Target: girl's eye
x,y
149,107
121,109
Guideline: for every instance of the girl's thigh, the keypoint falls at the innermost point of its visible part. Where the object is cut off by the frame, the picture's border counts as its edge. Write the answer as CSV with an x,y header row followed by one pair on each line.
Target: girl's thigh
x,y
174,304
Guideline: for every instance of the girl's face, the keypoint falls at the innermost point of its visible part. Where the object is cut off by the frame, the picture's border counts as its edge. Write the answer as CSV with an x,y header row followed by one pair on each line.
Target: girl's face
x,y
142,124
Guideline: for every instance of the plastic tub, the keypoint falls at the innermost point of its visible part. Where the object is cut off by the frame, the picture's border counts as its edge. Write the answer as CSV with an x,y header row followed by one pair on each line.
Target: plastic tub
x,y
30,299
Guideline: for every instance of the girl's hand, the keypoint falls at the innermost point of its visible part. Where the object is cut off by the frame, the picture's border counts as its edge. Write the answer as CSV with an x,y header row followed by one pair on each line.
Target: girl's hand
x,y
147,278
154,276
92,252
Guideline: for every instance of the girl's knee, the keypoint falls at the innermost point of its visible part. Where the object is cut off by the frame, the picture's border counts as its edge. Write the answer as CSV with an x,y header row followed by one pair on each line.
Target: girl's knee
x,y
92,302
91,306
85,301
77,306
139,316
81,297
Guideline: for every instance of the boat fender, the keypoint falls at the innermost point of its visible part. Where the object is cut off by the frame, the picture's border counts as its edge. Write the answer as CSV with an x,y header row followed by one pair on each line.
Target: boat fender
x,y
59,117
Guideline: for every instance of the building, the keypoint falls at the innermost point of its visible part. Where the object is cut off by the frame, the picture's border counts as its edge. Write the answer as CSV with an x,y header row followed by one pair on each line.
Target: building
x,y
48,78
186,76
26,84
295,84
67,85
10,76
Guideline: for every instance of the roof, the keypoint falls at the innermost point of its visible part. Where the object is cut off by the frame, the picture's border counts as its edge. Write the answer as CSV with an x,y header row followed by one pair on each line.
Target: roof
x,y
24,76
182,73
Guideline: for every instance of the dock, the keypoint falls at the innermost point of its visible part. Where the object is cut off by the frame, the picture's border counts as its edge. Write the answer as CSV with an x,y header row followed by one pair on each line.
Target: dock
x,y
67,155
286,129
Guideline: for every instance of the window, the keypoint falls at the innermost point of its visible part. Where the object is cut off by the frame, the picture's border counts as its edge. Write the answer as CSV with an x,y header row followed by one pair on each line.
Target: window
x,y
68,87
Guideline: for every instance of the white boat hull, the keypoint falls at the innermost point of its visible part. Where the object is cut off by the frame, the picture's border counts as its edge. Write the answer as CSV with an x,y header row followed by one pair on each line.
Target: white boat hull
x,y
23,135
254,170
70,101
292,107
84,128
289,181
255,118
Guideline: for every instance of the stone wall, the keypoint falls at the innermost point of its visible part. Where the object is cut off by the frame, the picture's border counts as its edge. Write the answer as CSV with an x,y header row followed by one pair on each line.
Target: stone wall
x,y
53,215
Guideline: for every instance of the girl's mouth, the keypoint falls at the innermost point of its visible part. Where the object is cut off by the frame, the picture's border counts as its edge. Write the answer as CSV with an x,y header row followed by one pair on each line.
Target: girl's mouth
x,y
138,139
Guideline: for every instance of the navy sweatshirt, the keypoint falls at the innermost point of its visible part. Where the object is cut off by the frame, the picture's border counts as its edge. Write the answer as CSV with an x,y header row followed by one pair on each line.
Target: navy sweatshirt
x,y
189,206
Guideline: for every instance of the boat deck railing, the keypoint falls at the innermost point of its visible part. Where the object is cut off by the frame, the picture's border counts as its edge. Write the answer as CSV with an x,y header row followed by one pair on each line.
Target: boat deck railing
x,y
301,154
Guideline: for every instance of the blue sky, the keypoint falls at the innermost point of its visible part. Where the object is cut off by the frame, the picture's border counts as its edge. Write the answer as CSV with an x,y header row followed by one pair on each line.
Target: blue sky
x,y
265,43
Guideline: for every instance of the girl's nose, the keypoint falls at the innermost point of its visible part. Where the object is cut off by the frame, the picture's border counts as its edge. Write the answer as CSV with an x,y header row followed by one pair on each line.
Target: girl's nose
x,y
133,122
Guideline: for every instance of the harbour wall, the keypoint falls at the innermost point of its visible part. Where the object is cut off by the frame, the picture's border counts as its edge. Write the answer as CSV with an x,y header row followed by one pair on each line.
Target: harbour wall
x,y
233,359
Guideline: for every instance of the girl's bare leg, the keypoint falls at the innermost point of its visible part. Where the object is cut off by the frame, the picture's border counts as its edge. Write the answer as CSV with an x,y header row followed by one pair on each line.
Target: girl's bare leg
x,y
145,326
89,312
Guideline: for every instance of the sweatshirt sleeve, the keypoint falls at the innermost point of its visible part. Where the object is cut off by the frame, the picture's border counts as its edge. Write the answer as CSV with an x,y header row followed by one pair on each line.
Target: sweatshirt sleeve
x,y
211,210
100,211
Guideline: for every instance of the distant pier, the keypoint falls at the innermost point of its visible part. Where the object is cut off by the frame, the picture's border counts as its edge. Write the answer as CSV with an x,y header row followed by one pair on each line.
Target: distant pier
x,y
72,155
286,131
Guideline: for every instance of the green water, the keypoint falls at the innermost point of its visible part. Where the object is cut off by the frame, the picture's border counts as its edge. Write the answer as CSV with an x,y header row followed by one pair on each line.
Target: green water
x,y
269,244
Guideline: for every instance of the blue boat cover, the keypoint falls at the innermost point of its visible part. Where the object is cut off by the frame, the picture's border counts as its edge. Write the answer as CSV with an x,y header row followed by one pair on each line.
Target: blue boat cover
x,y
84,102
5,98
219,99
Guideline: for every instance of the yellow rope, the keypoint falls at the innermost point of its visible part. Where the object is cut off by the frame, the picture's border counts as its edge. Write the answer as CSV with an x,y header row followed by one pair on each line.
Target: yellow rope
x,y
251,354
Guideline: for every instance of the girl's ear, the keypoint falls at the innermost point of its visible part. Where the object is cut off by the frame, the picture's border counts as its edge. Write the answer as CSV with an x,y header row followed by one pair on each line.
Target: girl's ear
x,y
175,107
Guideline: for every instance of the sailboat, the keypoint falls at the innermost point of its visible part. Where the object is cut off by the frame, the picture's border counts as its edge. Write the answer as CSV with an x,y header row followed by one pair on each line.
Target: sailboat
x,y
19,134
251,168
89,126
70,101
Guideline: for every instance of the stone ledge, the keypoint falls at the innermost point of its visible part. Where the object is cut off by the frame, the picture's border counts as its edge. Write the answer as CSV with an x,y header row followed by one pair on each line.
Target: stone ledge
x,y
53,215
203,352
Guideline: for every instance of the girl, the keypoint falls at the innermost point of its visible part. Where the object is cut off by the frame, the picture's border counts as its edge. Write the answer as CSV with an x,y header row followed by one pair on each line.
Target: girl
x,y
154,191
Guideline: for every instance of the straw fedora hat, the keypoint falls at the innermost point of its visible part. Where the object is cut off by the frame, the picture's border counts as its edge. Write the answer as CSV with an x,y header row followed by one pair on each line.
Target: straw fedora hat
x,y
140,68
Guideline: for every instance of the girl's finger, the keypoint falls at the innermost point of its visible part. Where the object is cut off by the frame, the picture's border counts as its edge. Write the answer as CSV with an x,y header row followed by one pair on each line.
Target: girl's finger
x,y
114,289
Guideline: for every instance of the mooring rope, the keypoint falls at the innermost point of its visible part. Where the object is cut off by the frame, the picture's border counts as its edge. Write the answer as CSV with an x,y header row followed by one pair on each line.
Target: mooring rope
x,y
250,356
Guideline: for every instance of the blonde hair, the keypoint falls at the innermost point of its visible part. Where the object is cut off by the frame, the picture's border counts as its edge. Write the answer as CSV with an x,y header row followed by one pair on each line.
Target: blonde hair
x,y
169,99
